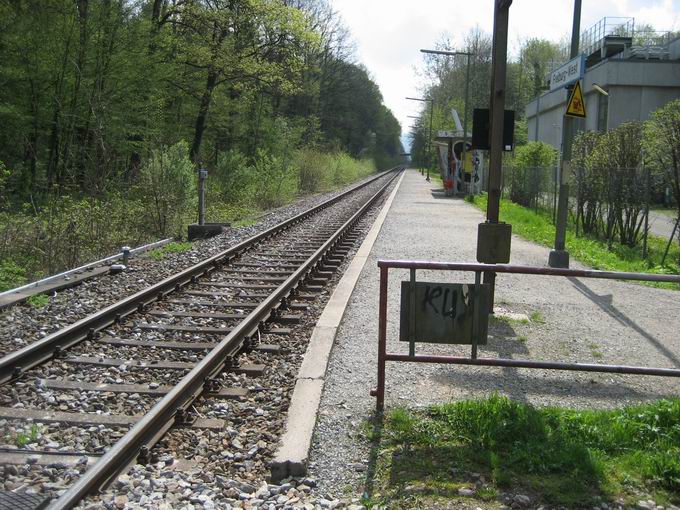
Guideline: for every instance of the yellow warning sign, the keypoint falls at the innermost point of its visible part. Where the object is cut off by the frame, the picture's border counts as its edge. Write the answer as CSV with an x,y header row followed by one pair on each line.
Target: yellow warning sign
x,y
575,106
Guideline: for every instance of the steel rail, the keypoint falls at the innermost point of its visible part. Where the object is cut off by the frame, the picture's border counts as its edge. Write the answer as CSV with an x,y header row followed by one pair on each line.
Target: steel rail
x,y
89,265
17,362
160,418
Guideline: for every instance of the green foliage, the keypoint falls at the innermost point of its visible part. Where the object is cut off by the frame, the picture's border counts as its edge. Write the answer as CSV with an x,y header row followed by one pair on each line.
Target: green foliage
x,y
27,437
526,175
561,456
160,253
11,275
168,185
38,300
662,143
538,227
589,180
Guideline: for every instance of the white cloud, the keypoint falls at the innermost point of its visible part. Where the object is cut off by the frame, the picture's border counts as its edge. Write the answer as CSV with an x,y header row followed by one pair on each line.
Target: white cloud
x,y
389,34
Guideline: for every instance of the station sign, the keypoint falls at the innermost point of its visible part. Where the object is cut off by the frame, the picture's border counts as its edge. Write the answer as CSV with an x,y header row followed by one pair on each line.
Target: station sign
x,y
568,73
448,313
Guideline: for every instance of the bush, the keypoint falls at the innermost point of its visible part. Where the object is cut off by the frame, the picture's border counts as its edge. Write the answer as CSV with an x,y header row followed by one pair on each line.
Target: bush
x,y
530,167
275,182
589,183
168,185
662,143
618,156
11,275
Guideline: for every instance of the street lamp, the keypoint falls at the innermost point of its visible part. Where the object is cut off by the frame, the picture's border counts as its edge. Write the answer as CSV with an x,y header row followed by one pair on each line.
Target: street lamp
x,y
467,93
429,142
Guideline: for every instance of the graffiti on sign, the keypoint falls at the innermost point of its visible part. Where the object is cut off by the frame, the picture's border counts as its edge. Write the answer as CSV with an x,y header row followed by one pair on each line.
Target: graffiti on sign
x,y
443,313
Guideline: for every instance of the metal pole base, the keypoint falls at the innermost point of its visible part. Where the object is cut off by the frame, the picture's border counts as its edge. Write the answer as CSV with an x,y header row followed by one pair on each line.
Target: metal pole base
x,y
558,258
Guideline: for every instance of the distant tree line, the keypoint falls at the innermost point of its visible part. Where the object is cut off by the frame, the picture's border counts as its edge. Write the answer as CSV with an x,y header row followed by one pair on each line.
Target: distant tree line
x,y
89,88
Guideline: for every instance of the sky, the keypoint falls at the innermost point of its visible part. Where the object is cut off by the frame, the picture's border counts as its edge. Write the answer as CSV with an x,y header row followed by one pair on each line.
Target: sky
x,y
388,34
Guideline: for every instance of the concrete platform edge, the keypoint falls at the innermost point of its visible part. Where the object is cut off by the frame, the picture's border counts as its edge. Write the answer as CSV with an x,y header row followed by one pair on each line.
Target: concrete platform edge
x,y
292,453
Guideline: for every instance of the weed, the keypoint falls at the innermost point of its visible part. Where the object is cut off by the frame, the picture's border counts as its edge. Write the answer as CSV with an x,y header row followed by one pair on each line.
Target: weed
x,y
503,319
522,339
537,317
38,300
22,438
160,253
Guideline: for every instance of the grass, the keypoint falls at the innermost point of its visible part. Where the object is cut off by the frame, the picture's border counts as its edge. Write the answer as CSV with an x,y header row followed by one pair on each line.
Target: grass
x,y
497,319
160,253
556,456
537,317
38,300
22,438
538,227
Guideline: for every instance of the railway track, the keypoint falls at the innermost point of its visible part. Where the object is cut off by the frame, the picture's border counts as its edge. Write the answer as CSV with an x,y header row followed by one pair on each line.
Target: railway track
x,y
112,385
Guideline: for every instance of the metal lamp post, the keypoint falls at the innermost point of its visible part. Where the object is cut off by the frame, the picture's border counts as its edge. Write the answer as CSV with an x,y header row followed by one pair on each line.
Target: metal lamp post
x,y
414,128
429,141
467,93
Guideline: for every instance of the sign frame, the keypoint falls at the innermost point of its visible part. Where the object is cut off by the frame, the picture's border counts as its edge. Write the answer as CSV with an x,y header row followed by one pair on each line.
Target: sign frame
x,y
568,73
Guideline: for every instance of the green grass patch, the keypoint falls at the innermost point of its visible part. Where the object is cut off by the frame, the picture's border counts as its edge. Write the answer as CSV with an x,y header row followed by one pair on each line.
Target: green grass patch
x,y
502,319
538,227
38,300
160,253
557,456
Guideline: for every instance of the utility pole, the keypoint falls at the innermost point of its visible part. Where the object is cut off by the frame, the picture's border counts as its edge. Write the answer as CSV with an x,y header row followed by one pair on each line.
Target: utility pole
x,y
202,176
429,142
559,256
493,237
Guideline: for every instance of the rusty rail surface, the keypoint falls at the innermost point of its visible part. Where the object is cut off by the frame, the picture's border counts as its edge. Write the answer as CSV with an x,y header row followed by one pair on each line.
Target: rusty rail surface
x,y
384,356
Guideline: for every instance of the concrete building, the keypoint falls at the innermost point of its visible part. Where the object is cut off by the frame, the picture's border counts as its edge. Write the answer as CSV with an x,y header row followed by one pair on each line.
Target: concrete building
x,y
639,74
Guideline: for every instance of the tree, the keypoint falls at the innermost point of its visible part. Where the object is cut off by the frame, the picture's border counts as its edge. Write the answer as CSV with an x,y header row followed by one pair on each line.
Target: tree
x,y
662,143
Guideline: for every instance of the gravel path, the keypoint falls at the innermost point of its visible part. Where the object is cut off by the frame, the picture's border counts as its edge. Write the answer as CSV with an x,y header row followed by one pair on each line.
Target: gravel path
x,y
581,320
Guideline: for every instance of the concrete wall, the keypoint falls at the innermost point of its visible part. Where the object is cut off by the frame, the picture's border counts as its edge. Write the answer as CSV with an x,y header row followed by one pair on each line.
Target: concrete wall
x,y
636,88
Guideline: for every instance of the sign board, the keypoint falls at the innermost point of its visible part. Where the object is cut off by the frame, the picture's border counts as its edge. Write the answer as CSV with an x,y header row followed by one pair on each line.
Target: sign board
x,y
576,107
444,313
568,73
481,129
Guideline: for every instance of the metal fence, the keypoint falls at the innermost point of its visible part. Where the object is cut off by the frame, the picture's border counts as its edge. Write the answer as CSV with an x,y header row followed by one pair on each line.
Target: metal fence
x,y
384,356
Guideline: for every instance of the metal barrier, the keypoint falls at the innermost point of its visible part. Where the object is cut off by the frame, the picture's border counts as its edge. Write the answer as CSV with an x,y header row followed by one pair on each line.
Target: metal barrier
x,y
478,269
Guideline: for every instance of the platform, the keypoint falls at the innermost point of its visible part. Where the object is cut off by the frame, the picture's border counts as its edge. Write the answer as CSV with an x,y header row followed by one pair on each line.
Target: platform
x,y
568,320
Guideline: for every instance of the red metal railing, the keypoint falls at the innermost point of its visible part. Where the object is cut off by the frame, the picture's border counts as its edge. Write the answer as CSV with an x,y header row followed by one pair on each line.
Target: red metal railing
x,y
384,356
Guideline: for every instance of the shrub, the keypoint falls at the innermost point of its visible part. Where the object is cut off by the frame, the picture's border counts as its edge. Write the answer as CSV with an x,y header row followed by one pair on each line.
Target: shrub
x,y
618,154
528,172
662,143
168,184
589,182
